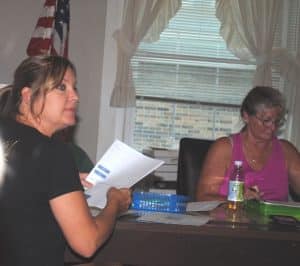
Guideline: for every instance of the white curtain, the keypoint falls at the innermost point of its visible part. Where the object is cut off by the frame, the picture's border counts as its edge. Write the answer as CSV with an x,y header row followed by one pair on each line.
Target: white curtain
x,y
289,68
248,27
143,19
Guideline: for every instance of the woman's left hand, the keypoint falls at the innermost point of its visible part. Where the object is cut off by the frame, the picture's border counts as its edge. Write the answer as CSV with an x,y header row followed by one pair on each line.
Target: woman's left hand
x,y
83,181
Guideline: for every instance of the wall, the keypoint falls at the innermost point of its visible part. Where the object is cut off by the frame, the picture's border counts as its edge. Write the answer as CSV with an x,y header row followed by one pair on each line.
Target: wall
x,y
111,120
86,51
87,31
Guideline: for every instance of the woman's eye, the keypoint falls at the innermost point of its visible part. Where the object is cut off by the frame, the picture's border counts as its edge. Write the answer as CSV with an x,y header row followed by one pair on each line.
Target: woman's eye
x,y
61,87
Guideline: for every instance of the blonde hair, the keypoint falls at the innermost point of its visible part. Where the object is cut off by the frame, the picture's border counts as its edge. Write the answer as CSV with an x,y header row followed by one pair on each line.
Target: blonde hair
x,y
262,97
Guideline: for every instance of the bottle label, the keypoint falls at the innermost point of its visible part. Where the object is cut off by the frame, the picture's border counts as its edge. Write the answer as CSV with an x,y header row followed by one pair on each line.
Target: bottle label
x,y
236,191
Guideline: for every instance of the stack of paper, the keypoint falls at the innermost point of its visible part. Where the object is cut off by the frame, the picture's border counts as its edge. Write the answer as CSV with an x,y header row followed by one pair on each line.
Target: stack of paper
x,y
168,171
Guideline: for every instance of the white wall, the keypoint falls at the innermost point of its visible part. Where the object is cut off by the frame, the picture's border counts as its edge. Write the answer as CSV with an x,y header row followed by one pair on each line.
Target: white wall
x,y
17,23
111,120
87,31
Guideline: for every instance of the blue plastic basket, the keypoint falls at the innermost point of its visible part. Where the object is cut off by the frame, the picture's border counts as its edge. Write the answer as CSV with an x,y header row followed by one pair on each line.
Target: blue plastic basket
x,y
150,201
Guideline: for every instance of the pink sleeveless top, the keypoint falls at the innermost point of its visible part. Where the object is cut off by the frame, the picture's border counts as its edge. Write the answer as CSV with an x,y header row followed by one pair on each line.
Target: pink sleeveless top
x,y
272,179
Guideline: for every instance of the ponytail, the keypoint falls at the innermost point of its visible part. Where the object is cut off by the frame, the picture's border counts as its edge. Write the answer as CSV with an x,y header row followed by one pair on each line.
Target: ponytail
x,y
6,102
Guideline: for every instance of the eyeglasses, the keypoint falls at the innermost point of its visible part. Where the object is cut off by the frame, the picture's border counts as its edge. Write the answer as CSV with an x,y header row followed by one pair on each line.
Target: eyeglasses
x,y
269,122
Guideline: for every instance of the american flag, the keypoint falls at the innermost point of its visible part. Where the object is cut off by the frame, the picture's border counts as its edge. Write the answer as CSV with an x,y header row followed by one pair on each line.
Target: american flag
x,y
52,30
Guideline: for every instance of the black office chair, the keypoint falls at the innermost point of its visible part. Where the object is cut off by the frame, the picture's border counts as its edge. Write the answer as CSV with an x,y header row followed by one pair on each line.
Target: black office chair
x,y
191,156
293,195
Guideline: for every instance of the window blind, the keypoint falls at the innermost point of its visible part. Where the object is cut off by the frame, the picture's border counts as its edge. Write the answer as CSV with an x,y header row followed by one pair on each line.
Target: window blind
x,y
188,83
190,61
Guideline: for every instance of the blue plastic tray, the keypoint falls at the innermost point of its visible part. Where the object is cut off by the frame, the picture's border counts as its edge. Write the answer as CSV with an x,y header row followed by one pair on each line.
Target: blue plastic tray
x,y
150,201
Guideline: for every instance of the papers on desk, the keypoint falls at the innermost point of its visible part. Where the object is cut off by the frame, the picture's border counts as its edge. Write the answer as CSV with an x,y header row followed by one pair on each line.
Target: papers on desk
x,y
174,218
203,205
120,166
184,219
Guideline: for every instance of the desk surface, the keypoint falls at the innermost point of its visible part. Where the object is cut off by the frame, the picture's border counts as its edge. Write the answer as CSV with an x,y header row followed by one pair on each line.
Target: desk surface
x,y
249,240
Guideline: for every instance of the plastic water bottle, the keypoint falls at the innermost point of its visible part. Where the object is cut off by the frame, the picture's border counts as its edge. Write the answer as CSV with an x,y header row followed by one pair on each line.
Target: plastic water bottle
x,y
235,196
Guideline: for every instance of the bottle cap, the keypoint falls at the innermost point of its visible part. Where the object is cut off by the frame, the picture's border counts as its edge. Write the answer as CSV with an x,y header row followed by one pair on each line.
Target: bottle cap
x,y
238,163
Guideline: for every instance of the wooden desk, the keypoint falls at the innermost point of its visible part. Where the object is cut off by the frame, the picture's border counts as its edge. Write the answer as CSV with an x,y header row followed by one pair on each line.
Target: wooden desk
x,y
220,242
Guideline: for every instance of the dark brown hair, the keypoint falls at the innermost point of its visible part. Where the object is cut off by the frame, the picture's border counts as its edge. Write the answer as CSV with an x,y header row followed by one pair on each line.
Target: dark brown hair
x,y
39,73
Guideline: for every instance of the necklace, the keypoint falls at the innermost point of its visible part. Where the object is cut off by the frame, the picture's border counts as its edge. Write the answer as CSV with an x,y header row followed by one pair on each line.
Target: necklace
x,y
256,157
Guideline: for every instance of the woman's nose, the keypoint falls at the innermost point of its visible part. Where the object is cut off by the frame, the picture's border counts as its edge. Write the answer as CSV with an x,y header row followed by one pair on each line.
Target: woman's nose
x,y
273,126
74,95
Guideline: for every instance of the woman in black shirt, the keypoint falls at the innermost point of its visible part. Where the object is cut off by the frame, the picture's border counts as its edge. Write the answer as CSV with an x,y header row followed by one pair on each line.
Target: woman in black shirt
x,y
41,199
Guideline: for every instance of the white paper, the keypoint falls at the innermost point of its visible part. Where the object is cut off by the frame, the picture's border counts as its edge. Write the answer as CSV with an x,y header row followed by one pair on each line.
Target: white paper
x,y
202,205
96,196
282,203
174,218
121,166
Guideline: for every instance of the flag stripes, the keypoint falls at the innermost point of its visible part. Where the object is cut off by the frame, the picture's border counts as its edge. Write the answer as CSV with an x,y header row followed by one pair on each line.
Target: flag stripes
x,y
52,29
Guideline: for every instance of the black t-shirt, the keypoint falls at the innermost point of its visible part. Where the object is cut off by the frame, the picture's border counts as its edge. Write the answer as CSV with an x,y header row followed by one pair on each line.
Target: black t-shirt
x,y
38,169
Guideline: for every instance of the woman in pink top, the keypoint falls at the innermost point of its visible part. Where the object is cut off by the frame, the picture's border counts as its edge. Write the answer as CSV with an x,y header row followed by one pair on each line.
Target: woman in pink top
x,y
270,165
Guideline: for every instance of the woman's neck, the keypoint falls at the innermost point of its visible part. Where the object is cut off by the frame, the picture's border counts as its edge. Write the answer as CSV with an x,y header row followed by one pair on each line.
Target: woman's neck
x,y
34,123
250,141
255,151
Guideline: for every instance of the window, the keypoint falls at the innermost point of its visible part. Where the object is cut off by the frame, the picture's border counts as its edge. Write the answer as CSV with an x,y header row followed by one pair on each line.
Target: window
x,y
188,83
